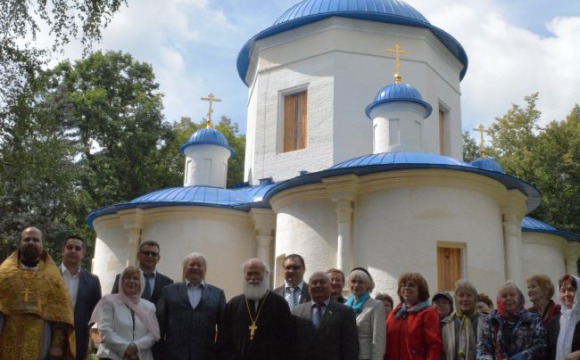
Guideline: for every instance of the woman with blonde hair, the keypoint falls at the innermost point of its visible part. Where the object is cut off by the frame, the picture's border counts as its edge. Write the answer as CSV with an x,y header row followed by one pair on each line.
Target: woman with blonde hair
x,y
370,315
127,324
511,331
461,330
540,293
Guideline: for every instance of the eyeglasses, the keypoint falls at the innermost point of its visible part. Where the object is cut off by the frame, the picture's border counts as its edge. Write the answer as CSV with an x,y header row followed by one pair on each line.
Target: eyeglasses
x,y
150,253
74,247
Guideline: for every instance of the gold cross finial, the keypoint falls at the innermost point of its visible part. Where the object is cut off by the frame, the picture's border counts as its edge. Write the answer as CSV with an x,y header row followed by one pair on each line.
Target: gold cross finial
x,y
211,98
398,51
481,129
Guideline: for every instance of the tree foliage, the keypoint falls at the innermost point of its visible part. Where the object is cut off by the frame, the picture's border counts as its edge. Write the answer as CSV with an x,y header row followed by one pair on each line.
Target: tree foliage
x,y
470,148
548,158
22,53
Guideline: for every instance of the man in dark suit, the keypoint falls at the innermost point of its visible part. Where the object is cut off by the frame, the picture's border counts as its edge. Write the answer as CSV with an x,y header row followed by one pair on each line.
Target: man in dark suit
x,y
189,313
294,290
327,328
152,281
84,289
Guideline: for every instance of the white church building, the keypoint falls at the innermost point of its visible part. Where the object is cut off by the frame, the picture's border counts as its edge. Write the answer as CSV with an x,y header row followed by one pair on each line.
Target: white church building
x,y
345,167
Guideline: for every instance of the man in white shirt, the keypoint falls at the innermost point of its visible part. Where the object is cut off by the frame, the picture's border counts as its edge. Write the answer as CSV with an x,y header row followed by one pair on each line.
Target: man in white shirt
x,y
84,290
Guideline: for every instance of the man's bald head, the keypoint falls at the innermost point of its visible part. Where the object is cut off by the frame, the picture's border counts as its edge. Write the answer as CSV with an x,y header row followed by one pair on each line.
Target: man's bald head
x,y
30,246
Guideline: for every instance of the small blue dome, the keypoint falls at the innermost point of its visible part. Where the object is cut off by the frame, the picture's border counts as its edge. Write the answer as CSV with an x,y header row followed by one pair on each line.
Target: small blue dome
x,y
385,11
398,93
488,164
207,136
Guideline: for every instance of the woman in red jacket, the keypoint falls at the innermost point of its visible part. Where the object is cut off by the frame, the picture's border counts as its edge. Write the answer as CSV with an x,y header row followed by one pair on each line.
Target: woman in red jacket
x,y
413,326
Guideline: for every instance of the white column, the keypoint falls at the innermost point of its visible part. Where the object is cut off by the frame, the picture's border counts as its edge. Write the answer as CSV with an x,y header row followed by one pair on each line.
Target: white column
x,y
133,222
513,246
344,223
264,221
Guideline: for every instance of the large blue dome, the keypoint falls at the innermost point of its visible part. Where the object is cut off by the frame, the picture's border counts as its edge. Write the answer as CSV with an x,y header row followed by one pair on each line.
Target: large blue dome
x,y
398,93
386,11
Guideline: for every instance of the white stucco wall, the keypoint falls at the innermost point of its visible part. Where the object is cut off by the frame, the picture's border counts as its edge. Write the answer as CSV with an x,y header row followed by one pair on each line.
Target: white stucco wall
x,y
206,165
342,63
399,219
543,254
225,237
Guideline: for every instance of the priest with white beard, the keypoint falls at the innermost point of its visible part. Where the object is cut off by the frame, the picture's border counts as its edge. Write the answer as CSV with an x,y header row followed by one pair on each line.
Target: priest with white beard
x,y
258,323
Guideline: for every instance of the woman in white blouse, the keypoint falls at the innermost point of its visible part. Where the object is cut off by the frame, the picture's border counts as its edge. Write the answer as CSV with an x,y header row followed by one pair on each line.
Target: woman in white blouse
x,y
370,315
127,324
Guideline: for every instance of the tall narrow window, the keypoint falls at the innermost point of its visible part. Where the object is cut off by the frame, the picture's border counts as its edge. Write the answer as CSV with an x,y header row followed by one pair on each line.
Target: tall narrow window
x,y
448,267
295,121
441,132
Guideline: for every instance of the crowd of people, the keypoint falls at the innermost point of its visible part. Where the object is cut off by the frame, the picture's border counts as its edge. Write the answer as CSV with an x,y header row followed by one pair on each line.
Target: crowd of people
x,y
46,311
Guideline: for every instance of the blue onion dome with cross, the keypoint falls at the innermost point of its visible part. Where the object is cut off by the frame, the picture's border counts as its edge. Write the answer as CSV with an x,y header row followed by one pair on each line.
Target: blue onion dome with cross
x,y
386,11
209,135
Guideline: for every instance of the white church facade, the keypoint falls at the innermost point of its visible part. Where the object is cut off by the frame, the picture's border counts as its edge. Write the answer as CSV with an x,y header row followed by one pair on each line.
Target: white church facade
x,y
345,167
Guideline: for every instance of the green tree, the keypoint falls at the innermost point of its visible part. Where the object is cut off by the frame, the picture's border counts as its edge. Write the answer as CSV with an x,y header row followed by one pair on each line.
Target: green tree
x,y
470,148
558,172
548,158
112,105
22,55
513,139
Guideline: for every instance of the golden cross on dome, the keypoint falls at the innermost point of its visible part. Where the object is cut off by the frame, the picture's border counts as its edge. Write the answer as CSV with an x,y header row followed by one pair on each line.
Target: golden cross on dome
x,y
481,129
211,98
398,51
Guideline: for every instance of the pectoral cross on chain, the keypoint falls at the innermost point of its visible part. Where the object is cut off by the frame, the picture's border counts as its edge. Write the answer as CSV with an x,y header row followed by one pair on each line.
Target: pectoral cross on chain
x,y
253,329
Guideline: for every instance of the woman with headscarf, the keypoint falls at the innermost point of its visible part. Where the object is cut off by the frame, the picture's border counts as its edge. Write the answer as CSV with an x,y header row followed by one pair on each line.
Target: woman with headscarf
x,y
564,333
511,331
413,326
370,315
127,324
540,292
461,330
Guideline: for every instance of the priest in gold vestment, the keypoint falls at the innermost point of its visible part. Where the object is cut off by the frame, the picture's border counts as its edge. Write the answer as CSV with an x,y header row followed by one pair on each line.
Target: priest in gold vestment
x,y
36,316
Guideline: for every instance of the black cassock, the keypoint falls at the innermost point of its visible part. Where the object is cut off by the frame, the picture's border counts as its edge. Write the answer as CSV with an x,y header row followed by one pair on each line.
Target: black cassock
x,y
275,335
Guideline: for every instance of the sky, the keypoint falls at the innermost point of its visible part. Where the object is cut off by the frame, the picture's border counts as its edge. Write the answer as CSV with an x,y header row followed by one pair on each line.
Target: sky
x,y
515,48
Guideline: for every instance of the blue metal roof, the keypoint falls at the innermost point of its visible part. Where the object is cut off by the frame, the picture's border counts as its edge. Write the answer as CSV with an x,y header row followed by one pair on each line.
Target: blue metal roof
x,y
245,198
242,199
392,161
529,224
386,11
398,93
207,136
488,164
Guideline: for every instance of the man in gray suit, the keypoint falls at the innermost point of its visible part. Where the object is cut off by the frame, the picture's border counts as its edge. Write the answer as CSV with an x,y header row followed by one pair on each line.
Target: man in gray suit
x,y
294,290
327,328
84,290
189,313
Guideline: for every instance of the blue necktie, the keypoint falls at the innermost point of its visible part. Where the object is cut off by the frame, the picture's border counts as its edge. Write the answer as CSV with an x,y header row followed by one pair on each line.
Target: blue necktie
x,y
148,291
317,312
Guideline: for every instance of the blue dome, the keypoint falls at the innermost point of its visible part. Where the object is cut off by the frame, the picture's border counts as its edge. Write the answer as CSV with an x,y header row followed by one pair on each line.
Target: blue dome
x,y
207,136
398,93
529,224
488,164
386,11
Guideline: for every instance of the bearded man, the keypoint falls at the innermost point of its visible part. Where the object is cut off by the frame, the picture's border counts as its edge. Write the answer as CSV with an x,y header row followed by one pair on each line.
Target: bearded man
x,y
258,323
36,316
